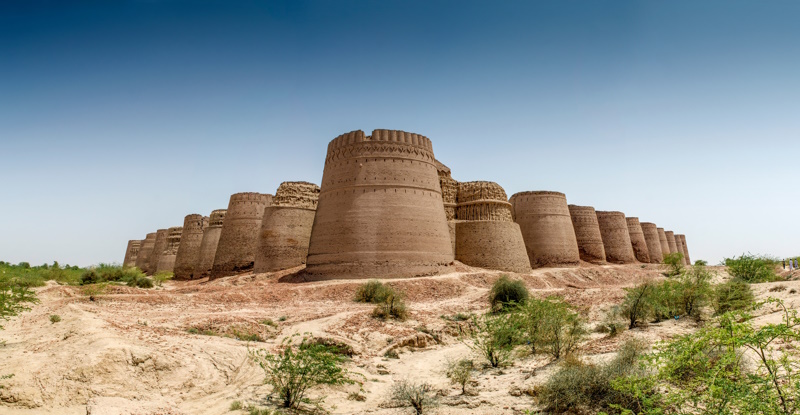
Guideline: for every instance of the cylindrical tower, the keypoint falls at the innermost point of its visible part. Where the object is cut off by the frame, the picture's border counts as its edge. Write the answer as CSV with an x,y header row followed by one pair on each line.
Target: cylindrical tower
x,y
236,250
616,238
188,255
131,252
286,227
637,240
662,238
145,252
673,247
166,262
685,250
158,251
208,246
546,226
587,233
485,234
650,231
380,210
681,248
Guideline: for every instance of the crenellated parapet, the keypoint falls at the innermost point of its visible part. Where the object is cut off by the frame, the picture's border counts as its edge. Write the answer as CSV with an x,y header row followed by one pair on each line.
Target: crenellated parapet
x,y
449,188
302,195
482,200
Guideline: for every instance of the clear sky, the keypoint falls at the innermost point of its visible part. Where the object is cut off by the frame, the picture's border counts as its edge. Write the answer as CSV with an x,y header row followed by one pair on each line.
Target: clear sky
x,y
121,117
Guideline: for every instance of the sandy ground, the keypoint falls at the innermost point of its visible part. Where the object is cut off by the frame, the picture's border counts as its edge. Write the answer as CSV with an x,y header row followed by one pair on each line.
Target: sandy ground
x,y
129,352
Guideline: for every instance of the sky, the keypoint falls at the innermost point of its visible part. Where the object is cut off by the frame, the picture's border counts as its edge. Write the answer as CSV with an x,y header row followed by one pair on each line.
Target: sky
x,y
118,118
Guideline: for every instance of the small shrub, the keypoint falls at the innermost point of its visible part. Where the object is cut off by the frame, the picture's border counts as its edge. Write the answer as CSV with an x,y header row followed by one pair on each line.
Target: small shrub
x,y
506,292
494,337
701,262
777,288
419,396
90,277
160,277
335,346
245,335
294,370
391,354
752,268
372,291
673,263
268,322
636,306
141,282
235,406
460,372
94,291
55,318
392,306
356,396
732,295
282,318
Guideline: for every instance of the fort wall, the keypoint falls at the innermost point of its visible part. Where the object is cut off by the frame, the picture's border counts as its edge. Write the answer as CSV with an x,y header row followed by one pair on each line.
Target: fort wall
x,y
650,231
587,233
166,262
158,251
638,242
143,259
208,246
662,238
238,241
131,252
616,238
188,256
546,226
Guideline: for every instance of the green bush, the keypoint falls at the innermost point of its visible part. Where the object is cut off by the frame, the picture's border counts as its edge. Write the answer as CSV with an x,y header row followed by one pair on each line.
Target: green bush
x,y
637,305
460,372
731,296
494,337
506,292
295,369
372,291
585,388
392,306
673,263
753,268
549,326
54,318
141,282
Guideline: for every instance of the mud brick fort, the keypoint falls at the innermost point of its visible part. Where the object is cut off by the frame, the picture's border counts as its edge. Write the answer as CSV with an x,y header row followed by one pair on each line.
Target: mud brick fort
x,y
387,208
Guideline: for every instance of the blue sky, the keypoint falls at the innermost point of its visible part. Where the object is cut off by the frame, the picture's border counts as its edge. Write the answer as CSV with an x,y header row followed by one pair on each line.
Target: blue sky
x,y
119,118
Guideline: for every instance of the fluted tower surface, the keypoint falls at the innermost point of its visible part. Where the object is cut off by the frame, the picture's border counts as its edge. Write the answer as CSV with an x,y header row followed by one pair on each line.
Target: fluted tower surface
x,y
238,241
208,246
380,210
685,250
673,247
638,241
616,238
188,257
166,262
131,252
158,250
286,227
662,238
546,226
143,259
485,234
587,233
650,231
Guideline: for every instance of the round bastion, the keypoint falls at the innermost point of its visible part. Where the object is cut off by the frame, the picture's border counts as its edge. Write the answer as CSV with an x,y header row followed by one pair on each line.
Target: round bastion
x,y
158,251
673,247
380,211
146,250
587,233
662,238
238,241
131,252
616,238
188,255
166,262
208,246
546,226
650,231
638,242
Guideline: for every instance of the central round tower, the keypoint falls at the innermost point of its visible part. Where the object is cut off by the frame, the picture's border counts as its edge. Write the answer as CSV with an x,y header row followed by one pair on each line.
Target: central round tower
x,y
380,211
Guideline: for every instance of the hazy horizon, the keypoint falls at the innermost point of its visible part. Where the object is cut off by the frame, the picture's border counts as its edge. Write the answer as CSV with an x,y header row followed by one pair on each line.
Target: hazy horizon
x,y
120,118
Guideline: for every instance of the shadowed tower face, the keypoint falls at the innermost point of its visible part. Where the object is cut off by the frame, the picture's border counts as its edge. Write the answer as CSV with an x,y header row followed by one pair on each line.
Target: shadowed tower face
x,y
546,226
208,246
131,252
143,259
189,251
166,262
673,247
685,250
653,242
380,211
638,241
286,227
238,241
587,232
662,238
485,234
158,250
616,238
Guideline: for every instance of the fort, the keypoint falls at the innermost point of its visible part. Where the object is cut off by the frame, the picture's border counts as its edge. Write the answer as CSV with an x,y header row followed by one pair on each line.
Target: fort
x,y
546,226
236,249
587,233
208,246
637,240
387,208
286,227
651,236
131,252
188,256
485,234
166,262
380,212
616,237
143,259
158,251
